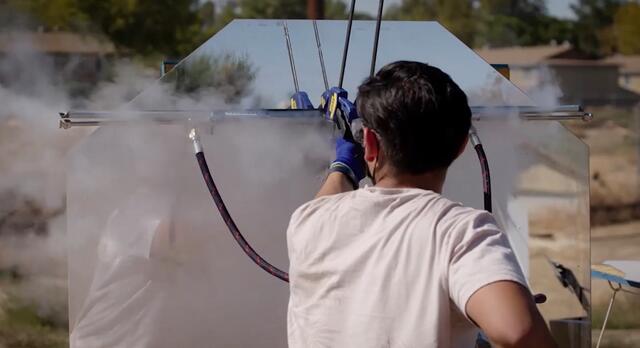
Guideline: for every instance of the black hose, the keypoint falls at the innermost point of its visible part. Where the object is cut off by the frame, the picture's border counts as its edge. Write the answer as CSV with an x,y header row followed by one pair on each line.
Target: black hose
x,y
228,220
486,176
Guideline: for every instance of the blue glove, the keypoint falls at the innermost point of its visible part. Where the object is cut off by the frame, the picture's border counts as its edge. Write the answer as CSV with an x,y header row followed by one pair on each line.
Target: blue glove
x,y
349,154
336,105
349,160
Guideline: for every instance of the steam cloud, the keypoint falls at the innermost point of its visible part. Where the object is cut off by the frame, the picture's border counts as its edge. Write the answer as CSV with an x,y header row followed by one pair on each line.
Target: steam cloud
x,y
33,157
127,176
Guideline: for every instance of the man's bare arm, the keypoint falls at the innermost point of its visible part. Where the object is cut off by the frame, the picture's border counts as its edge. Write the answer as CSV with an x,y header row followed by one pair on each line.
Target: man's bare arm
x,y
505,311
335,183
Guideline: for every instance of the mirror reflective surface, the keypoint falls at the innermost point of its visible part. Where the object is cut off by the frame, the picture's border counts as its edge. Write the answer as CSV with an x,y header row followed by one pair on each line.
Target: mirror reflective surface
x,y
151,262
540,184
247,64
148,245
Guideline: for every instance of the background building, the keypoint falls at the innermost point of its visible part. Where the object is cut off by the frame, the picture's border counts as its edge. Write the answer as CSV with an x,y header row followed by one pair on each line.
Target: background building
x,y
581,79
78,60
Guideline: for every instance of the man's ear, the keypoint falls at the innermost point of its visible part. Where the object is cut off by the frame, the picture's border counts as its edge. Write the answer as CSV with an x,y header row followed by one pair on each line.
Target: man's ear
x,y
463,146
370,144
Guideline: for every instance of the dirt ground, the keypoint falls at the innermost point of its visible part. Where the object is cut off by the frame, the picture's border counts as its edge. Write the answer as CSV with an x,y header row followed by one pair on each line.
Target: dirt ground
x,y
617,338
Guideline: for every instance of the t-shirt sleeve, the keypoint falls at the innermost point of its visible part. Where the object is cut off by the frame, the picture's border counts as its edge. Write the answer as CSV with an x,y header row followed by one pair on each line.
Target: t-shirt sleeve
x,y
479,254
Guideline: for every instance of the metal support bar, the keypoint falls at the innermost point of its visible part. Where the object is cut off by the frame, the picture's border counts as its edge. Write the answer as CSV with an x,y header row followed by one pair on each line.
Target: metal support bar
x,y
606,316
292,62
184,115
532,113
97,118
346,43
322,66
374,54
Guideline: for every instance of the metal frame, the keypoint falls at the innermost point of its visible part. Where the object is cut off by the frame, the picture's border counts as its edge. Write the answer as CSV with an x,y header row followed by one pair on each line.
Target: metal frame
x,y
79,118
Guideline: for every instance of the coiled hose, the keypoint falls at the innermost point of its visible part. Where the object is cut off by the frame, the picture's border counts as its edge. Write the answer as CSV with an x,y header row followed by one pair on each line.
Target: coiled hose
x,y
224,212
246,247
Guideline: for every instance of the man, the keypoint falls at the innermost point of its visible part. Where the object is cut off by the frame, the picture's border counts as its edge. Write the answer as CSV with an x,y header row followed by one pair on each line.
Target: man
x,y
397,264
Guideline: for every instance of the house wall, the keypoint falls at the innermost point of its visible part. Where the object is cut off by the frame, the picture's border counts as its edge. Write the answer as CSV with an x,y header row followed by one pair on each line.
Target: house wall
x,y
525,77
589,84
78,72
630,81
577,84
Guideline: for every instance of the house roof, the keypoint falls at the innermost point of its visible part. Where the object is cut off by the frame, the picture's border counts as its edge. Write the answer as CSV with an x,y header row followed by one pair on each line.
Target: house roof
x,y
55,42
530,55
628,64
580,62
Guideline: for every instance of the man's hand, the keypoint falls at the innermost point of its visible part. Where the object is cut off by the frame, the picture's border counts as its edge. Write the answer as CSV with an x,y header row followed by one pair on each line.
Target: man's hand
x,y
506,313
347,169
335,100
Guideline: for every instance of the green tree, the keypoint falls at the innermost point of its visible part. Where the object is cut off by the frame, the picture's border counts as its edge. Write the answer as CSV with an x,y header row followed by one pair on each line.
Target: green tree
x,y
213,19
412,10
170,27
145,26
226,75
518,22
273,8
458,17
488,22
627,28
524,9
455,15
556,29
593,32
53,14
207,14
334,9
338,9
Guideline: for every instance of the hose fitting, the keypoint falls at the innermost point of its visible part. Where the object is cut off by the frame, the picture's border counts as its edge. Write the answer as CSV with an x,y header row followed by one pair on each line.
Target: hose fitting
x,y
195,138
473,136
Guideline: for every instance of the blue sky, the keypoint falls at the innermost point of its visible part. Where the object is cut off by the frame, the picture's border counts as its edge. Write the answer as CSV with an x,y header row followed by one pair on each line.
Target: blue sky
x,y
558,8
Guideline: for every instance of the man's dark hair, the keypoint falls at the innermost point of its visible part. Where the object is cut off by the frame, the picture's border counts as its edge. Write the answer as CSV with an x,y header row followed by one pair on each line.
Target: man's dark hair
x,y
420,115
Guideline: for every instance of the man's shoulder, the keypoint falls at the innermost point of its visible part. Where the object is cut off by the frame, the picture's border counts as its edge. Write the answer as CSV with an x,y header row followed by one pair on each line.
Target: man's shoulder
x,y
465,214
440,207
459,212
321,204
460,222
433,206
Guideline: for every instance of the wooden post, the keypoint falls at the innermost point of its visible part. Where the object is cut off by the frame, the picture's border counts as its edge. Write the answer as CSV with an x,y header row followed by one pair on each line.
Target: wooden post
x,y
315,9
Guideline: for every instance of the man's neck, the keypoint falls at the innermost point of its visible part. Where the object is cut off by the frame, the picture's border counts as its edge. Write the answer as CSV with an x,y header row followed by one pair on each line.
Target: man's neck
x,y
432,181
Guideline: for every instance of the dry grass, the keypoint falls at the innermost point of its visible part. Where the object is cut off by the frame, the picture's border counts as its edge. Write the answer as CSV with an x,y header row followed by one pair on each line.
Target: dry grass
x,y
617,338
22,327
624,314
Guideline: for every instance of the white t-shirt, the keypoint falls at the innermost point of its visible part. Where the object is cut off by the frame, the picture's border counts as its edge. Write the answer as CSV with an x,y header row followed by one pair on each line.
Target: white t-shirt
x,y
390,268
